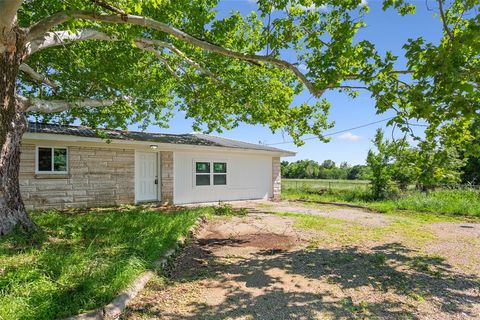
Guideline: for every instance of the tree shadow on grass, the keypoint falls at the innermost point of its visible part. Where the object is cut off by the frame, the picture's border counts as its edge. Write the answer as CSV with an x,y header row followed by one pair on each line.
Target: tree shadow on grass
x,y
81,260
395,273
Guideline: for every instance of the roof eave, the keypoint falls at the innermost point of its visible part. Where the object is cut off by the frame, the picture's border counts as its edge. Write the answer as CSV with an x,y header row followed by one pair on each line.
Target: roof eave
x,y
59,138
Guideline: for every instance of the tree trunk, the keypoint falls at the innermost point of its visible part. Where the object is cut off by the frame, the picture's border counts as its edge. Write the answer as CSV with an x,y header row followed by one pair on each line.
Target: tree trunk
x,y
12,127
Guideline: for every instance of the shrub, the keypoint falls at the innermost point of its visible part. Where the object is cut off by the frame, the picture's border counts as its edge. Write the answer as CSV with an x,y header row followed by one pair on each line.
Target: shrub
x,y
225,209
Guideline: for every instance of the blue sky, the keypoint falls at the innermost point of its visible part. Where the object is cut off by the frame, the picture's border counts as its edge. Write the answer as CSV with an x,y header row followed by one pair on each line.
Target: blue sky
x,y
388,31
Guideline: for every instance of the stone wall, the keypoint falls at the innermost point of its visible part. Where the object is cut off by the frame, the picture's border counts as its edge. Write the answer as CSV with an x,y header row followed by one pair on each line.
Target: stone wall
x,y
96,177
276,179
166,158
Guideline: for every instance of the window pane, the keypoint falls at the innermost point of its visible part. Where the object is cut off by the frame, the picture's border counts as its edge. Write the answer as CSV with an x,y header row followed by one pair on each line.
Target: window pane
x,y
202,179
219,167
44,159
219,179
60,159
203,167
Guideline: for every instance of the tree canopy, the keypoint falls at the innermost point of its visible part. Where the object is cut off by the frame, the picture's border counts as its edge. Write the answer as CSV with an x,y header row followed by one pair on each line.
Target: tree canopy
x,y
153,56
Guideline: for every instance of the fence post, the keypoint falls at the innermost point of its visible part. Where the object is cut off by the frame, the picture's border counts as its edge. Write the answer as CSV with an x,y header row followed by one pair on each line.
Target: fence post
x,y
329,186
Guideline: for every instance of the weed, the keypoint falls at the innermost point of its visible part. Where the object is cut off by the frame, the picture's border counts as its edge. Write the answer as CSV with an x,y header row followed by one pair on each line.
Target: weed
x,y
225,209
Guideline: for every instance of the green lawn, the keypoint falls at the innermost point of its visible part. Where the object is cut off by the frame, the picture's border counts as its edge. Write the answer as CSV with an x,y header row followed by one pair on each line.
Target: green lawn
x,y
81,260
455,202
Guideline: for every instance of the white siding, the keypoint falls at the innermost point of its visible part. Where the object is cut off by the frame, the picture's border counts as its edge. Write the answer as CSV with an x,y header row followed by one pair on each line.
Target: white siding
x,y
249,176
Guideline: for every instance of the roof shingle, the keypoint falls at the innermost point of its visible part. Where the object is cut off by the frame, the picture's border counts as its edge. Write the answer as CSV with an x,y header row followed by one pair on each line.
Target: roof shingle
x,y
185,139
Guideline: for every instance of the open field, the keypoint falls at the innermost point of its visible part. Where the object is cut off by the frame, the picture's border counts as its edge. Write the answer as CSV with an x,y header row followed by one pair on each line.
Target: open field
x,y
323,184
465,202
80,260
288,260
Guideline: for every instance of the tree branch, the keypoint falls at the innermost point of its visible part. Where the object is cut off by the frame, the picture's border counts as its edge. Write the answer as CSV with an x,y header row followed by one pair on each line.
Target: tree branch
x,y
57,38
444,19
159,56
109,7
52,21
348,87
8,17
175,50
51,106
8,9
37,76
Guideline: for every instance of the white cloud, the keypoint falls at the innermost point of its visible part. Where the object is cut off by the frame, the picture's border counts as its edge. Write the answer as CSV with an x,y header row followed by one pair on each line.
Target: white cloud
x,y
349,136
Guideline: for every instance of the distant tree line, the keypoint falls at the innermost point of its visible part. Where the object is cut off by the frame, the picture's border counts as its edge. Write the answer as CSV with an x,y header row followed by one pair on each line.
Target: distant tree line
x,y
328,169
393,165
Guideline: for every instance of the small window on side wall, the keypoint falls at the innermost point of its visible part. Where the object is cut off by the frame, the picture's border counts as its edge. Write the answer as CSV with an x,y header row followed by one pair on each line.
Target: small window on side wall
x,y
207,173
202,173
52,160
219,173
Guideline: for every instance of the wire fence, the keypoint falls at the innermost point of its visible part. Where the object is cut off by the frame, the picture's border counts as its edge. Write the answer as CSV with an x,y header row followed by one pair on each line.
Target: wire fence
x,y
320,184
324,185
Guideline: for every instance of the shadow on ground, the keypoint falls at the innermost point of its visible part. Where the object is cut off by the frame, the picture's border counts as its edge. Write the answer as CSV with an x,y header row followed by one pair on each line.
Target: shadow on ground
x,y
395,274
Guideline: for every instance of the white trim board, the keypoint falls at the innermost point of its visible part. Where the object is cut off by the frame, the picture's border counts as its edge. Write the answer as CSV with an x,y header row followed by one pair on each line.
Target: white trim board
x,y
135,144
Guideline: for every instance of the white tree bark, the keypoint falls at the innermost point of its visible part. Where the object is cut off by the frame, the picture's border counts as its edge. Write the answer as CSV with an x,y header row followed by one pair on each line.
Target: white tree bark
x,y
51,106
64,37
8,9
46,24
8,16
37,76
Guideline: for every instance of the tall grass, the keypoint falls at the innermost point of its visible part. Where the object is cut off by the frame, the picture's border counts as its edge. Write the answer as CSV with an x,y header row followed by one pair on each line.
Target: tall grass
x,y
79,261
464,202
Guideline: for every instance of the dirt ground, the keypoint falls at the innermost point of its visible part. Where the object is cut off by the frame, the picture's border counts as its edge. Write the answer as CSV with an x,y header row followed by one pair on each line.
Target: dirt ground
x,y
294,261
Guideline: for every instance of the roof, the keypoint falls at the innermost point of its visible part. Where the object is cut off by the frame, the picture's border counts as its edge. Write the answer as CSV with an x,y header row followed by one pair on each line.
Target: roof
x,y
183,139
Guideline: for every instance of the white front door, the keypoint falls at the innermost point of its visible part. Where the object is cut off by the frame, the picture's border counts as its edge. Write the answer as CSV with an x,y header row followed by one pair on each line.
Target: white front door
x,y
146,176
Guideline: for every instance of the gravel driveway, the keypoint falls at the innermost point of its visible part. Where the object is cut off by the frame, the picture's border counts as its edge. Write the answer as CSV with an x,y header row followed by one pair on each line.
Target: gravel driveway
x,y
302,262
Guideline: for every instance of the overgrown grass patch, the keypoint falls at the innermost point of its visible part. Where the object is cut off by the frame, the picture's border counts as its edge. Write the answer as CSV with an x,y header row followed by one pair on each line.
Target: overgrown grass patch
x,y
81,260
449,202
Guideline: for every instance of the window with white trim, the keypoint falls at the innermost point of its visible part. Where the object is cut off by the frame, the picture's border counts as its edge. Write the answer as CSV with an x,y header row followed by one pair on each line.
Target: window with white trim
x,y
52,160
219,173
208,173
202,173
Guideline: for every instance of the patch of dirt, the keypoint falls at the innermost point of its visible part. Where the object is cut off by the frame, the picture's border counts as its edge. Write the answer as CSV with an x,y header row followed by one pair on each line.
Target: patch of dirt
x,y
259,240
259,267
449,230
458,243
357,215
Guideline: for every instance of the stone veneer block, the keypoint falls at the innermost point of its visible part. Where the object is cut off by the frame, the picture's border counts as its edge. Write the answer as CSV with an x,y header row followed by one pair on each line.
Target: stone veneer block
x,y
166,158
96,177
276,179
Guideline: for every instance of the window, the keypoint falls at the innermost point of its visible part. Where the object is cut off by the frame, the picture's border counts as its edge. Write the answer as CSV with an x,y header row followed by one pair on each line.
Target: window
x,y
204,175
51,160
202,170
219,173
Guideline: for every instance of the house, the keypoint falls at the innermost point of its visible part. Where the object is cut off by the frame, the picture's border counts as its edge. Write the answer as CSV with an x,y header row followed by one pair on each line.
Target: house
x,y
74,166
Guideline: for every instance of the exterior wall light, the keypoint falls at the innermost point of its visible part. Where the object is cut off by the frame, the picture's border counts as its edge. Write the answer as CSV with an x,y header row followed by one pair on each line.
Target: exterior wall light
x,y
153,147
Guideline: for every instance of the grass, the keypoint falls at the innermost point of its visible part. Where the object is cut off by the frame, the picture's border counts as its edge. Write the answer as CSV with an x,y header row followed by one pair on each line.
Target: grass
x,y
464,202
323,184
339,231
81,260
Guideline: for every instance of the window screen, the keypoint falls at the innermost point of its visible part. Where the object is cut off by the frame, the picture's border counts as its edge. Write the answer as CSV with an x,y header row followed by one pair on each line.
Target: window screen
x,y
207,173
52,160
